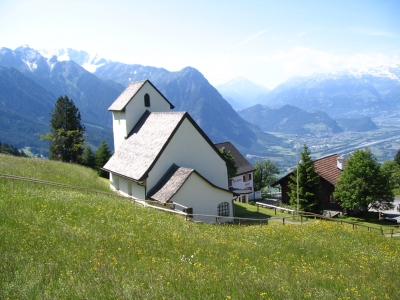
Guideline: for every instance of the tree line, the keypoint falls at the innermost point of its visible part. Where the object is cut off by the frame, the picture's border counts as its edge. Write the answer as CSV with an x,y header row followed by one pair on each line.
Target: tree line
x,y
10,149
67,138
363,184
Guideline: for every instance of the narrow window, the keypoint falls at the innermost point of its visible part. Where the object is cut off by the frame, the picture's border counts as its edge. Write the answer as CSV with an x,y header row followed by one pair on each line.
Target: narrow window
x,y
246,177
146,100
223,209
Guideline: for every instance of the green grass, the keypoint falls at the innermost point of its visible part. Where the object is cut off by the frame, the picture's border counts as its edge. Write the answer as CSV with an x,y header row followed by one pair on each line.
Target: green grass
x,y
66,244
54,171
248,210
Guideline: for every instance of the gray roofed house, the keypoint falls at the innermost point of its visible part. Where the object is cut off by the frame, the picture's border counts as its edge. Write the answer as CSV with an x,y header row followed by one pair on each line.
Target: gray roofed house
x,y
165,156
242,184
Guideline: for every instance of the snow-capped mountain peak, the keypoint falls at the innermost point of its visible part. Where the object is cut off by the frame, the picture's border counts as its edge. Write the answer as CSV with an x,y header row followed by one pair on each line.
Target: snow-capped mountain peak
x,y
88,61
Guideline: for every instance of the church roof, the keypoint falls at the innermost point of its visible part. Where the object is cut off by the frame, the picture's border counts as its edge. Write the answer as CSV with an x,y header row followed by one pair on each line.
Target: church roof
x,y
136,155
172,181
127,95
140,151
170,184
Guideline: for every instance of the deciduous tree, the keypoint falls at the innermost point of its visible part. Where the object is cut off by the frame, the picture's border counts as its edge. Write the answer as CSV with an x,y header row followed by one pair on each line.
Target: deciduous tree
x,y
232,169
264,175
363,184
309,187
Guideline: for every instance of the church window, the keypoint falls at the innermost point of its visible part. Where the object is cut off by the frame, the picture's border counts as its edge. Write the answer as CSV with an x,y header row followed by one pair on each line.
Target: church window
x,y
146,100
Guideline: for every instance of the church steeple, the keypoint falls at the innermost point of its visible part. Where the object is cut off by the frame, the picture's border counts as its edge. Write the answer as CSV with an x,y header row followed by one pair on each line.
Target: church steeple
x,y
130,106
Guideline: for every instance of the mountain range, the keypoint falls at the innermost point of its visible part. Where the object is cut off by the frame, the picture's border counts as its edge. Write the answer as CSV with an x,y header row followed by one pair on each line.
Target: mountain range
x,y
372,93
294,120
242,93
93,93
31,81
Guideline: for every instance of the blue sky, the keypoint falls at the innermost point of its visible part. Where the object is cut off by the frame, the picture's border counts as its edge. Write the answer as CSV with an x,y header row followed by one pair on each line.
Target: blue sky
x,y
265,41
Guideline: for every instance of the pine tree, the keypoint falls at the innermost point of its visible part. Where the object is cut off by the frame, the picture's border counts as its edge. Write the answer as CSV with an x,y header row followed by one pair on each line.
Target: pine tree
x,y
88,158
103,154
397,157
67,132
309,187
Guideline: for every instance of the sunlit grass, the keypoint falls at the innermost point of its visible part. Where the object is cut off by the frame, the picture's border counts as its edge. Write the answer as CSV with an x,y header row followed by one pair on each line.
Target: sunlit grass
x,y
54,171
65,244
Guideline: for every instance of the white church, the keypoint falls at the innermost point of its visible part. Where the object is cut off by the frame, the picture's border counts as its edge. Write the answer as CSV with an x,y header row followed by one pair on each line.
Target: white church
x,y
164,156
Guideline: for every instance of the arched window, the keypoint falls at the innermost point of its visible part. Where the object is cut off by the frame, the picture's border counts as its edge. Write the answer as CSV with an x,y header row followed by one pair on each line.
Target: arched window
x,y
223,209
146,100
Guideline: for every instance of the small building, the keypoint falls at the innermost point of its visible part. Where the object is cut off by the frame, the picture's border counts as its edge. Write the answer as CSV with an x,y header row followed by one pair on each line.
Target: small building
x,y
164,156
242,185
329,169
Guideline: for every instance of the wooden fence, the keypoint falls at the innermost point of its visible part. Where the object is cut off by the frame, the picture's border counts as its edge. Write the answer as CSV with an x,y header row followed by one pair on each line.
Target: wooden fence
x,y
389,230
304,216
147,203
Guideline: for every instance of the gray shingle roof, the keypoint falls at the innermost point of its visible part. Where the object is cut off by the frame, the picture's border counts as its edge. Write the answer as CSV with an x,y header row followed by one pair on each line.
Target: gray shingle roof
x,y
136,155
126,96
241,162
169,185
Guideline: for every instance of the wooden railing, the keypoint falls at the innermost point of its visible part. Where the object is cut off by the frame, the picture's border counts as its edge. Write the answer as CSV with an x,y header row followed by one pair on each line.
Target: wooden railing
x,y
146,203
389,229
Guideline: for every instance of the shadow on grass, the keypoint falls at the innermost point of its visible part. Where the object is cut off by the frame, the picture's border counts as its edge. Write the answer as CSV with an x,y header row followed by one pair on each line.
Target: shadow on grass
x,y
372,217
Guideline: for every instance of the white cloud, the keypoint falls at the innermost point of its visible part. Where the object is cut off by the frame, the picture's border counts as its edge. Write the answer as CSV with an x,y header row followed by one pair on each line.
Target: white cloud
x,y
250,38
306,61
374,32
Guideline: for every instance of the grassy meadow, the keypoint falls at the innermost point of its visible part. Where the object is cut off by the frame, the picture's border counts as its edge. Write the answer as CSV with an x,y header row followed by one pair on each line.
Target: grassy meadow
x,y
57,243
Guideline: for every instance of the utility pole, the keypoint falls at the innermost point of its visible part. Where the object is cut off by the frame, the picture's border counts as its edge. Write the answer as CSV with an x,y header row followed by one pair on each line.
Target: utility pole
x,y
297,168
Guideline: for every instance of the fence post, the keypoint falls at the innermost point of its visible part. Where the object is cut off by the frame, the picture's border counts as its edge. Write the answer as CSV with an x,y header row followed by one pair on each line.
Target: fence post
x,y
275,210
258,207
391,232
283,221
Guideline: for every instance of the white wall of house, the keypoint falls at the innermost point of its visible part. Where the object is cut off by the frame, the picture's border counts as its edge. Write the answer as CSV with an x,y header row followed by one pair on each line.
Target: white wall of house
x,y
188,149
127,187
202,197
135,110
243,182
119,127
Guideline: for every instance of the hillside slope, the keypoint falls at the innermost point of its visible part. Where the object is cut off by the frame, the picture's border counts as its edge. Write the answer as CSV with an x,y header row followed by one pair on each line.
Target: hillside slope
x,y
65,243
